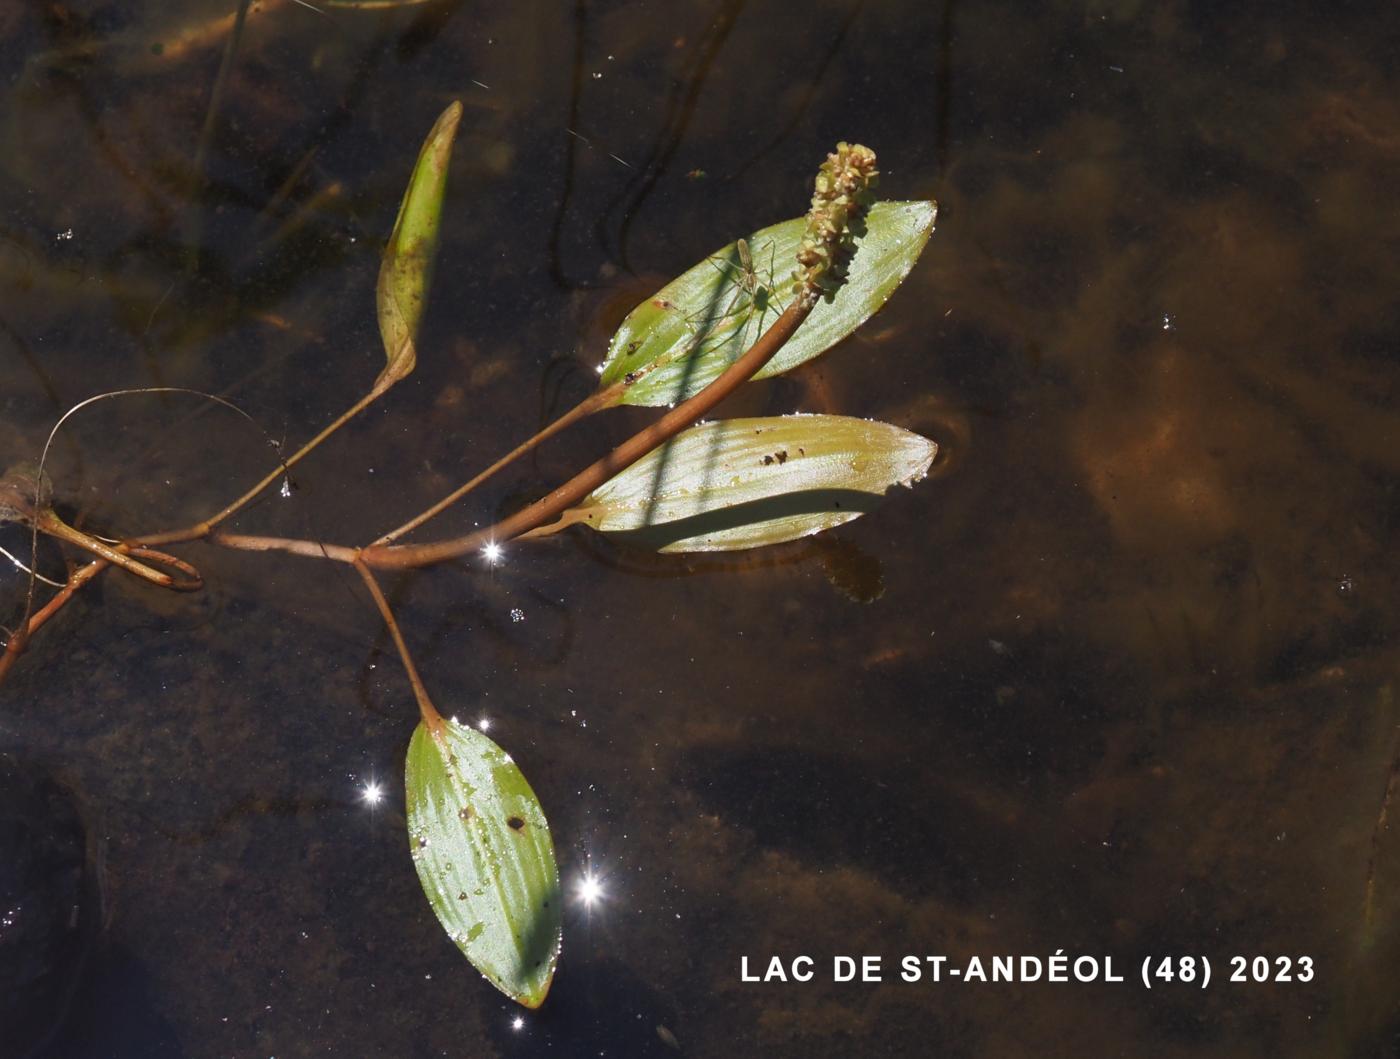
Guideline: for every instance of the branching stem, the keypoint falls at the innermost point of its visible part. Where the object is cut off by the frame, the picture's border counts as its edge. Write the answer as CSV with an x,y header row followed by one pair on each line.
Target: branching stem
x,y
596,402
629,452
50,523
542,512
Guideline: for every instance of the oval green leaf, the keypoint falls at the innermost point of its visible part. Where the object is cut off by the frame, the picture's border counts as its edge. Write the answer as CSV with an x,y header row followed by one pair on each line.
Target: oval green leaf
x,y
676,343
405,272
484,855
743,483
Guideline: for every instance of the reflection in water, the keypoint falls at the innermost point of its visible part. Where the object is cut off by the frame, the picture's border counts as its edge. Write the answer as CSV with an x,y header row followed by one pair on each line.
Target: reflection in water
x,y
590,889
372,793
1125,677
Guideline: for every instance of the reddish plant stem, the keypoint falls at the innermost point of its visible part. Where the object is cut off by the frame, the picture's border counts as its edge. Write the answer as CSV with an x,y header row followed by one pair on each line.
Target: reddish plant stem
x,y
407,556
120,555
431,717
601,399
622,457
311,549
403,556
20,639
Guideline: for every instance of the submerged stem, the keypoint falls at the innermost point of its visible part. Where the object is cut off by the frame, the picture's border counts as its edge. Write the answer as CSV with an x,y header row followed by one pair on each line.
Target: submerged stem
x,y
17,643
431,718
50,523
248,542
211,121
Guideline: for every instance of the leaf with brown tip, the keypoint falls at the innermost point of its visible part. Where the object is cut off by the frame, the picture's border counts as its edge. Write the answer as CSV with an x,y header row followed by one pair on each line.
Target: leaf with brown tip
x,y
406,270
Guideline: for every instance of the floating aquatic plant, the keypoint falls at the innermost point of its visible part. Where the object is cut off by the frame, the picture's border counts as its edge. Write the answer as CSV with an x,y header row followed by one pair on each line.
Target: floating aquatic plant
x,y
759,306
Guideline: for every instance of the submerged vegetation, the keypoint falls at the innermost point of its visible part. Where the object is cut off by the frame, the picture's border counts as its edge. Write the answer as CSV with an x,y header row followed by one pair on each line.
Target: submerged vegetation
x,y
759,306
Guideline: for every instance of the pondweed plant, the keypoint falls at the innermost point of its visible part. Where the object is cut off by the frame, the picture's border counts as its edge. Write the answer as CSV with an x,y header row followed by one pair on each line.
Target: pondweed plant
x,y
476,832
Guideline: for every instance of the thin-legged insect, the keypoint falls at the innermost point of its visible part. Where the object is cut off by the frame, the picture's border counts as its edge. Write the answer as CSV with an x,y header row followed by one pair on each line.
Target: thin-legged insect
x,y
751,296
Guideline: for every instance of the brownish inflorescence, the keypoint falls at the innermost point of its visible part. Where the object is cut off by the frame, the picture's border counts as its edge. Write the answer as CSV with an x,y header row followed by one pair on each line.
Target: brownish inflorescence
x,y
844,185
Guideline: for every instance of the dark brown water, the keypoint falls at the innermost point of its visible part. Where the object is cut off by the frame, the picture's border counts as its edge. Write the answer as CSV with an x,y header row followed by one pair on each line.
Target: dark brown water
x,y
1130,688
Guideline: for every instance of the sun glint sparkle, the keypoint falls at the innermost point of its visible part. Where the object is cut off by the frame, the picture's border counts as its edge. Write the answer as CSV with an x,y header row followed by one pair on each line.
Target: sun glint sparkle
x,y
590,890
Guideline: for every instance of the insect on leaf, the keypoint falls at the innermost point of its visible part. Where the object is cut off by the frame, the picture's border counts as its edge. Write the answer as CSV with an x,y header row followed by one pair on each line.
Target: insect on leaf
x,y
484,855
405,272
742,483
674,344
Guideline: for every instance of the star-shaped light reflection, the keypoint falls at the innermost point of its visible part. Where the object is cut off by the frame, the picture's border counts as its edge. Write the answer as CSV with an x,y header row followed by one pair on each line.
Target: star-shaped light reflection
x,y
590,890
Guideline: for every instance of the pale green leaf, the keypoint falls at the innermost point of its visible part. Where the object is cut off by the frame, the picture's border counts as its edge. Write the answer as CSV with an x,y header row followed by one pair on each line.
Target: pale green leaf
x,y
484,855
676,343
742,483
405,273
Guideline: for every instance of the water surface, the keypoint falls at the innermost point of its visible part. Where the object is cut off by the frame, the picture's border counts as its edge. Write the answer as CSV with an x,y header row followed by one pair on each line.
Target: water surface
x,y
1129,688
